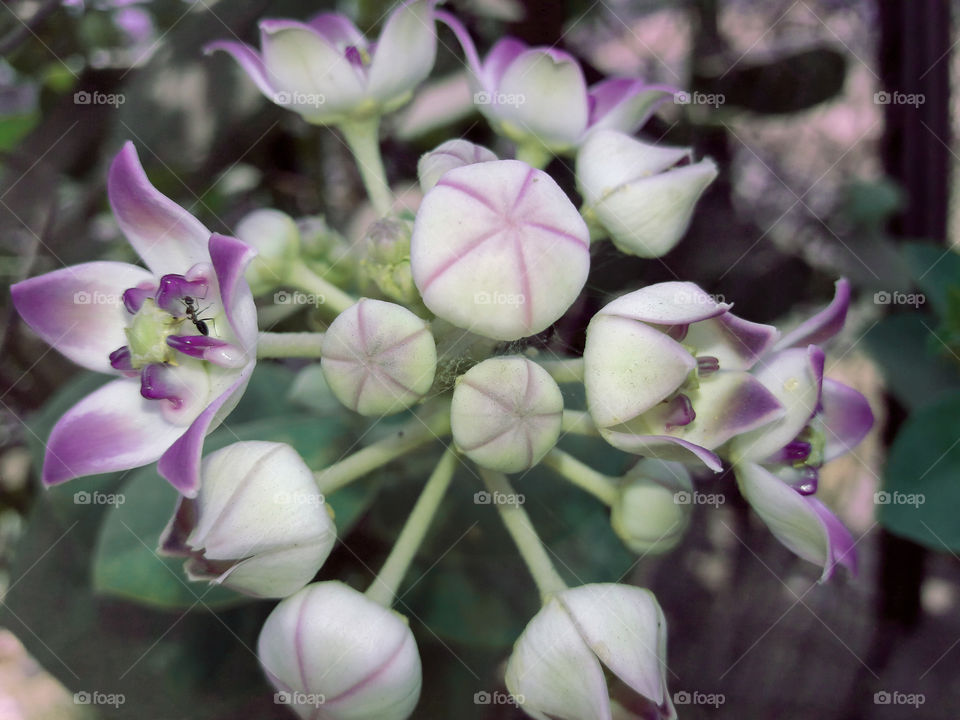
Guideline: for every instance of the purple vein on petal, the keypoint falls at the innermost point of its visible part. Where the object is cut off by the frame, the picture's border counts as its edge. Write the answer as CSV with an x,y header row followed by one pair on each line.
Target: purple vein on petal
x,y
556,231
458,256
362,329
487,394
402,341
466,190
527,182
496,436
524,280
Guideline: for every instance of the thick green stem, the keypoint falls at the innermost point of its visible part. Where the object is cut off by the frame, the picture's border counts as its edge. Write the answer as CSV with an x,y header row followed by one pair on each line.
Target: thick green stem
x,y
529,544
364,140
603,487
564,370
414,433
289,345
579,422
384,587
327,296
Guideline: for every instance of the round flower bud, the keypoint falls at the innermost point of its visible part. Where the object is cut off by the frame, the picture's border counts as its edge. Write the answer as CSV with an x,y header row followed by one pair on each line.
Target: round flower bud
x,y
378,358
257,525
447,156
384,261
331,652
638,192
276,238
499,249
652,509
506,413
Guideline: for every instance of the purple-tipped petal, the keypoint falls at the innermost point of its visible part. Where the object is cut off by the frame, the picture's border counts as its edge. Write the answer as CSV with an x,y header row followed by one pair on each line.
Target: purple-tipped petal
x,y
230,258
133,297
166,236
173,539
466,42
180,464
667,303
801,523
338,30
113,428
405,51
156,383
825,324
210,349
79,310
625,104
664,447
846,418
249,60
735,342
122,360
729,403
501,55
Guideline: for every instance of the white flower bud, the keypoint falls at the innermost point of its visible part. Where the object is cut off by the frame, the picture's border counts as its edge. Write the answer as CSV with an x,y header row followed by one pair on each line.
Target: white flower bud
x,y
638,192
276,237
561,661
506,413
331,652
447,156
378,357
499,249
258,523
649,514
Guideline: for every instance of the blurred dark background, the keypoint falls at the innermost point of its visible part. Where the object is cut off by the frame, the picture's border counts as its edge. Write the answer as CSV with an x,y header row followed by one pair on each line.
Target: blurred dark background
x,y
834,134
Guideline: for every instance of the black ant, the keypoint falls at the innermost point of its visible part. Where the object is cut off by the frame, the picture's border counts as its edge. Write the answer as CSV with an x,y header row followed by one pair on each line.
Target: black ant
x,y
192,310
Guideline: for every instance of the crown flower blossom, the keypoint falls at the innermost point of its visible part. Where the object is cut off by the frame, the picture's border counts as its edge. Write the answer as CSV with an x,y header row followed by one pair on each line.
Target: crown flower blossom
x,y
179,337
777,465
581,637
329,73
258,524
538,97
666,373
499,249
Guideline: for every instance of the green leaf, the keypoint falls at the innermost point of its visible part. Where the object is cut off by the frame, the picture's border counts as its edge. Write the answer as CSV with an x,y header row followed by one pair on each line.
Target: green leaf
x,y
936,270
921,496
13,128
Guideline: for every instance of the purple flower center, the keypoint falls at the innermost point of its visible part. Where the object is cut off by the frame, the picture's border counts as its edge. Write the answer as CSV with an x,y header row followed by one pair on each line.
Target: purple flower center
x,y
679,412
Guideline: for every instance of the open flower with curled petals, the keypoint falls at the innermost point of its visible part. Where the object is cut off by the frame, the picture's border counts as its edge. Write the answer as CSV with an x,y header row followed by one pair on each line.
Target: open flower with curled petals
x,y
538,97
594,652
666,373
777,465
329,73
179,335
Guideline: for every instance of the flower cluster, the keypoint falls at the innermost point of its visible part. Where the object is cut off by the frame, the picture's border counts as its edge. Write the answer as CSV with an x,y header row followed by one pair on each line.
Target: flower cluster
x,y
496,253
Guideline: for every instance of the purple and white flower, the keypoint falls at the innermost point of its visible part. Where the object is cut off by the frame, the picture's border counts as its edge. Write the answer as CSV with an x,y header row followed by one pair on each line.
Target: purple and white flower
x,y
329,73
179,336
538,95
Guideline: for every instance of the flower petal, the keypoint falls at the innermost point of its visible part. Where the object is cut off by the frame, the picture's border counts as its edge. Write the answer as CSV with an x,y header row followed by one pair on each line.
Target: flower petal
x,y
667,303
735,342
466,42
504,52
664,447
79,310
405,51
624,104
113,428
251,62
824,325
552,672
794,376
550,95
629,368
801,523
624,626
846,418
337,29
167,237
230,258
